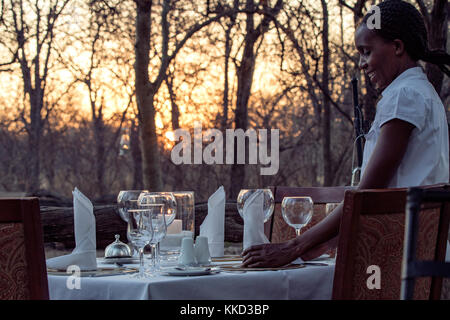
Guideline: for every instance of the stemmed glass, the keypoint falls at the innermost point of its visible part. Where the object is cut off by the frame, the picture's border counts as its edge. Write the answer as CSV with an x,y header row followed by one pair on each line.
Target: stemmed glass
x,y
128,199
297,211
159,228
167,199
140,231
169,210
268,205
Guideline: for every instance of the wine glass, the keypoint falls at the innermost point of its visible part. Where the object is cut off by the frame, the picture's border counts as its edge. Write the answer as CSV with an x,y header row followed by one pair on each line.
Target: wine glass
x,y
140,231
159,228
297,211
169,210
268,205
128,199
167,199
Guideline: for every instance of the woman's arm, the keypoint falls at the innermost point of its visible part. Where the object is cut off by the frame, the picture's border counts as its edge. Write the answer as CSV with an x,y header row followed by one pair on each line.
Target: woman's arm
x,y
384,161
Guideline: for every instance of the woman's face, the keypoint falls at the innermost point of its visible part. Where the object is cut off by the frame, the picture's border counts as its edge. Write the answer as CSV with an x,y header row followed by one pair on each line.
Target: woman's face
x,y
378,57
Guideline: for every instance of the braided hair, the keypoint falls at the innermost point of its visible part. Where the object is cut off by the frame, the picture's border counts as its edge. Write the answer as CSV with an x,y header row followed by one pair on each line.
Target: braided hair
x,y
401,20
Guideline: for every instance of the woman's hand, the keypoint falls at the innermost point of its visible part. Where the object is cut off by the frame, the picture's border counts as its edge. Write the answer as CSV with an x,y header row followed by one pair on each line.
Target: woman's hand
x,y
269,255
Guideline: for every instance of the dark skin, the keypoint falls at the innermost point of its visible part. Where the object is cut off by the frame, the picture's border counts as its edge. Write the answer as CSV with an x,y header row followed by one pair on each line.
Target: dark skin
x,y
383,61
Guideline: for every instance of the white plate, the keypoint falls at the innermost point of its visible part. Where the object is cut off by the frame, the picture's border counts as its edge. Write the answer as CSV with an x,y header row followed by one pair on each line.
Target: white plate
x,y
189,272
322,257
118,260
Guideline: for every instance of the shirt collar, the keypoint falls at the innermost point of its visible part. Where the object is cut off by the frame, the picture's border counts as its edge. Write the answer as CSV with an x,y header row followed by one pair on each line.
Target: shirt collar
x,y
407,74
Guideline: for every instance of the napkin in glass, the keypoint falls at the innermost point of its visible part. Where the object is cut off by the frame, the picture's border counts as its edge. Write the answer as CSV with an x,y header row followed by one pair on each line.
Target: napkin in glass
x,y
253,214
84,254
213,227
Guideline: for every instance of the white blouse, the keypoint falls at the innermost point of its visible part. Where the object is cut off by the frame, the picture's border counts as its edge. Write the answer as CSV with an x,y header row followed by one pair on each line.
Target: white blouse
x,y
412,98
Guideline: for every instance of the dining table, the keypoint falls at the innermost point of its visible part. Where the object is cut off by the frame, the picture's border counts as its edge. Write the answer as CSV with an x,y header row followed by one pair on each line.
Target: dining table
x,y
224,280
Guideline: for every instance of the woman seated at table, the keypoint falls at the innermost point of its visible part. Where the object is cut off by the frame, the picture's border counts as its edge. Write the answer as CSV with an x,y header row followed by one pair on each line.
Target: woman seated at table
x,y
407,144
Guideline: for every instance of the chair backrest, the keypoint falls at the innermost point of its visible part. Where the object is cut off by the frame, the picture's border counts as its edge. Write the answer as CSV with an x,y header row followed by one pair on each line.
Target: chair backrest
x,y
279,230
371,245
412,267
23,270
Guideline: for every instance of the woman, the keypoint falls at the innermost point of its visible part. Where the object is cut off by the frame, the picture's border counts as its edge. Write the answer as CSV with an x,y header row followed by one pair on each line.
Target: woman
x,y
407,144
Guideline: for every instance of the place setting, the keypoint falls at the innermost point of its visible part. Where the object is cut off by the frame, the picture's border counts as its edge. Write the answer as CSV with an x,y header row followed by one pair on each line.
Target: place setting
x,y
160,240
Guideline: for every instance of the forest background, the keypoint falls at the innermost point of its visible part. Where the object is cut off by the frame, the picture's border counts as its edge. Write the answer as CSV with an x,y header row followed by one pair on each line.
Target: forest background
x,y
91,91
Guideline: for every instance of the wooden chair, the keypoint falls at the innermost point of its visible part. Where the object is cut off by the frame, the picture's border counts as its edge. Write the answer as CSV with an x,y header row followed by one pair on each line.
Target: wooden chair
x,y
278,230
413,268
371,234
23,273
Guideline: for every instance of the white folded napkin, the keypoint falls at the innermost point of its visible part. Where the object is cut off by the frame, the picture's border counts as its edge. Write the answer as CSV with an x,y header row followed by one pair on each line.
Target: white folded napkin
x,y
213,226
84,254
254,220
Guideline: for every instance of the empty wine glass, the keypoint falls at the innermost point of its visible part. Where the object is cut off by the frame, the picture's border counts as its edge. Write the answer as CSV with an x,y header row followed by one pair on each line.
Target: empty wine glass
x,y
140,230
169,209
268,204
159,228
297,211
128,199
167,199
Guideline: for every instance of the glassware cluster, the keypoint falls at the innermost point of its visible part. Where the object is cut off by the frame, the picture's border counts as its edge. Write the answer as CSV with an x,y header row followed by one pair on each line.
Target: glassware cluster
x,y
148,216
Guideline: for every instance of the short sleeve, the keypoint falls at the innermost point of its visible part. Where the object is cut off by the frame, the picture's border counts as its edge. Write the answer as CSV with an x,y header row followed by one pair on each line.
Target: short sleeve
x,y
406,104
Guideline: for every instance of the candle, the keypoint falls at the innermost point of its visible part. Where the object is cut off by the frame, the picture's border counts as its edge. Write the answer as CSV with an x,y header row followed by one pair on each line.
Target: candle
x,y
175,227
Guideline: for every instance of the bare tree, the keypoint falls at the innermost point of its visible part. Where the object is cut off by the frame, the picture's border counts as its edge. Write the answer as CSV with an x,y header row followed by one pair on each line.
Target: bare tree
x,y
436,21
244,73
369,100
146,88
28,35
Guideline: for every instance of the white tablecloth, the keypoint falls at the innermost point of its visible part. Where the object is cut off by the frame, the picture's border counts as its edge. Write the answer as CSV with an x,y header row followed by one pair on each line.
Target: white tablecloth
x,y
308,283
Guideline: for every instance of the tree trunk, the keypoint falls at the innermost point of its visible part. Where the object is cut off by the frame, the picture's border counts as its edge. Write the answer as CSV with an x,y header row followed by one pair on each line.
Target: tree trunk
x,y
34,142
245,78
145,92
437,27
136,156
151,167
100,153
326,126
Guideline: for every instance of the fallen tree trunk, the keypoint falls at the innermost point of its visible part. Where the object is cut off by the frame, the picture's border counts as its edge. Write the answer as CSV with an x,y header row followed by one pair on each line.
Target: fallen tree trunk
x,y
58,228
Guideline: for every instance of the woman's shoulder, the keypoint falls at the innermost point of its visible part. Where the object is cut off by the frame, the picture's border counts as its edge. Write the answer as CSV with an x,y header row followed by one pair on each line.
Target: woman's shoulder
x,y
413,93
413,83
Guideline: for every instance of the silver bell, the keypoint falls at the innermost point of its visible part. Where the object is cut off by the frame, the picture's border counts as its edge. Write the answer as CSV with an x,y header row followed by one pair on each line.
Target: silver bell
x,y
117,249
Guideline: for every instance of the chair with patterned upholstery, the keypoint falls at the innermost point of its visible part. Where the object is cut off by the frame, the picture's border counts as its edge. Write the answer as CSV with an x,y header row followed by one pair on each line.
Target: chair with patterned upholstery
x,y
23,273
412,267
278,230
371,245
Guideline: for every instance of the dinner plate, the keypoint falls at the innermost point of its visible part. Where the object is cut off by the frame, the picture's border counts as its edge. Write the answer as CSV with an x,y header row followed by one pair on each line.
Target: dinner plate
x,y
127,260
237,267
100,272
227,258
323,257
192,271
